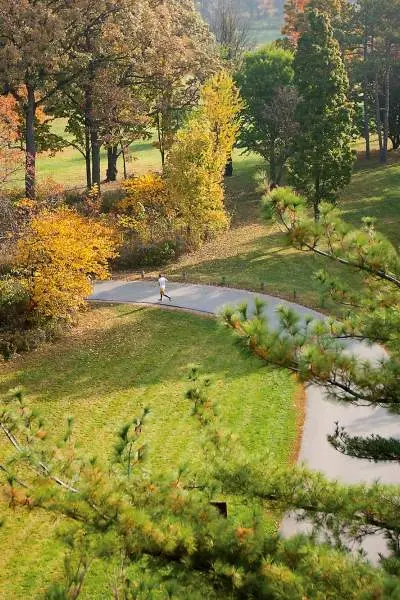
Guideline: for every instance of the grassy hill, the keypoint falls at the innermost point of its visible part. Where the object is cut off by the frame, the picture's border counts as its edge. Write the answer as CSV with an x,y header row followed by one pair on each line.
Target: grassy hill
x,y
119,360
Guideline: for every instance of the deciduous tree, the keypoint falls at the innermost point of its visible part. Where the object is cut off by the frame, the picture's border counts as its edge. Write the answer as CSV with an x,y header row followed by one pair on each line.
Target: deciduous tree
x,y
268,118
231,31
197,160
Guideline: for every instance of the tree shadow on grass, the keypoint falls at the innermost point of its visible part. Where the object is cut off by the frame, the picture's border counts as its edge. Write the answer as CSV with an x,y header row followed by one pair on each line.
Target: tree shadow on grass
x,y
131,350
268,264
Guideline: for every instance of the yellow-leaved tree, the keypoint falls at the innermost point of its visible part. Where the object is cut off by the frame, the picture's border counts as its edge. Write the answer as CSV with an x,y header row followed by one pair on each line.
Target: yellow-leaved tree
x,y
59,252
221,104
197,159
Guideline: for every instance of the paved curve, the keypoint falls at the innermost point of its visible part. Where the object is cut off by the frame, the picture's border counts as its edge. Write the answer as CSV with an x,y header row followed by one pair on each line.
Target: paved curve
x,y
321,413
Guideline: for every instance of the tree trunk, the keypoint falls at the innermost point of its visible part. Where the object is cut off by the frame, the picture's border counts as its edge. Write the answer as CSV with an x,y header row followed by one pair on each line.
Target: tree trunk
x,y
365,102
124,161
112,157
317,201
378,115
161,138
229,167
88,129
384,151
272,167
88,157
395,139
30,144
94,139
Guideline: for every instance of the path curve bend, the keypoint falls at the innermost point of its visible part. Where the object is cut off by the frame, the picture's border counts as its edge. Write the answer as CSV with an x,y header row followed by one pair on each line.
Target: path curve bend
x,y
321,413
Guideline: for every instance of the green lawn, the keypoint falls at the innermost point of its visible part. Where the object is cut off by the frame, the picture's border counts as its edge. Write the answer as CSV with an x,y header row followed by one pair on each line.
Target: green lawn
x,y
68,167
375,191
119,360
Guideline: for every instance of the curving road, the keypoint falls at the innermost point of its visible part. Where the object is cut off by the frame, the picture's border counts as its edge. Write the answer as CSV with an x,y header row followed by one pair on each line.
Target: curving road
x,y
321,413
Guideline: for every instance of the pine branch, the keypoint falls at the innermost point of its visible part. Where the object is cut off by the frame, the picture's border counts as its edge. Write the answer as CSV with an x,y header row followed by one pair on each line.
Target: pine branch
x,y
374,447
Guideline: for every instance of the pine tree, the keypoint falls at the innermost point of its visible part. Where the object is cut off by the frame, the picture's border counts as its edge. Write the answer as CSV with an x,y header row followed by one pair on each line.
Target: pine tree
x,y
315,350
129,515
323,158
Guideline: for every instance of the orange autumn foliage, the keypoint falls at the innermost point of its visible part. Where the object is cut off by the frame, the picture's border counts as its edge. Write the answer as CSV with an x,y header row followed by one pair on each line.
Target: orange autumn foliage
x,y
11,156
58,253
294,10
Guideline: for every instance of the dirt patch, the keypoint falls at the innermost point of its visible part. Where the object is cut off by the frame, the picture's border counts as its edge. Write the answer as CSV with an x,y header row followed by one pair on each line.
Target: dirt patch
x,y
300,400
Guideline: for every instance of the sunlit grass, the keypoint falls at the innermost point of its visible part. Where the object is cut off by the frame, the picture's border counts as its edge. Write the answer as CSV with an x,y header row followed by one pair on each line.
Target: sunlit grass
x,y
120,360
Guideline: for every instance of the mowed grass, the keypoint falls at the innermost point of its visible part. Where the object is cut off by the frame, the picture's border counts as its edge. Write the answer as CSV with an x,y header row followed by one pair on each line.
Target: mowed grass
x,y
375,192
119,360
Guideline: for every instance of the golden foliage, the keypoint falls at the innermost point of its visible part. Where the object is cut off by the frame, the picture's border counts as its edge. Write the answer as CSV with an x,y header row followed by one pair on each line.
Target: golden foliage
x,y
147,209
198,157
59,252
221,105
194,179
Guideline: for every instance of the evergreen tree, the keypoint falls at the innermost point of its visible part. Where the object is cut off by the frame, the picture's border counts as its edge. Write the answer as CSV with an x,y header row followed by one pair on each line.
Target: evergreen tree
x,y
316,350
126,514
323,158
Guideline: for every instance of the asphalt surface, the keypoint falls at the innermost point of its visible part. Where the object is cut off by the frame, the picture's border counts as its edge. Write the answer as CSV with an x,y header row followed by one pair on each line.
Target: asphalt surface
x,y
321,413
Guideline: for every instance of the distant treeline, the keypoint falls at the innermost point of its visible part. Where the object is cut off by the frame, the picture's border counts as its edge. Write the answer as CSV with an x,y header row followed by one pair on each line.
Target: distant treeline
x,y
251,9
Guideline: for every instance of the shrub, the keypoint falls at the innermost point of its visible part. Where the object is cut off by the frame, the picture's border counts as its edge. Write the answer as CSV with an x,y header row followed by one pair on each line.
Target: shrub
x,y
58,253
134,256
14,303
147,210
26,340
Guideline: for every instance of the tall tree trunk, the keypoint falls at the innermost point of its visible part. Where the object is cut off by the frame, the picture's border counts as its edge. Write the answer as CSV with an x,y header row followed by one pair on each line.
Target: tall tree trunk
x,y
160,136
365,102
88,128
272,167
378,115
30,144
95,143
317,200
88,157
384,151
112,157
124,161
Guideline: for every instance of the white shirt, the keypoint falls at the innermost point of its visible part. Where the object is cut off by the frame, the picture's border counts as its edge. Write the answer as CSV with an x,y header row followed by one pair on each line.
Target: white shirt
x,y
161,282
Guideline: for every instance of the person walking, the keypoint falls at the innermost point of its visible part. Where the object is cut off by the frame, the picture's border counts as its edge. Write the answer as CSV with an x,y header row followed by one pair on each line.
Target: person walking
x,y
162,281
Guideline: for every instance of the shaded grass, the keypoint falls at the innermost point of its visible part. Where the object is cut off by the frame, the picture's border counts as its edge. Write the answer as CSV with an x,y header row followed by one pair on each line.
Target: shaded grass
x,y
120,360
375,192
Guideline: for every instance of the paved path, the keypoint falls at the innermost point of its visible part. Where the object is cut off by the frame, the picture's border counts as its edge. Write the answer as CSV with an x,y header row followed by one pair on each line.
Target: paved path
x,y
321,413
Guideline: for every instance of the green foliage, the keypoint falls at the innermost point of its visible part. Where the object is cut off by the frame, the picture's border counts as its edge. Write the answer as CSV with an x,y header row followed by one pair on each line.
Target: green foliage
x,y
374,447
133,255
268,127
316,351
323,158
